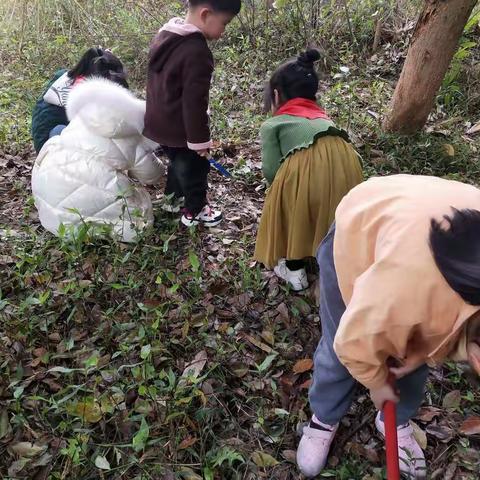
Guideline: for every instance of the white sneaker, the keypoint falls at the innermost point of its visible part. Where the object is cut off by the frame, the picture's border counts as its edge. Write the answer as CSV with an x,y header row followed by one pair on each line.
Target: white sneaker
x,y
296,278
410,454
209,217
172,204
312,452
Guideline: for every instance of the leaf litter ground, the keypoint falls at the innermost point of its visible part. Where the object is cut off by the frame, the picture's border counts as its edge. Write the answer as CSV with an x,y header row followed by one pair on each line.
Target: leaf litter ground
x,y
178,357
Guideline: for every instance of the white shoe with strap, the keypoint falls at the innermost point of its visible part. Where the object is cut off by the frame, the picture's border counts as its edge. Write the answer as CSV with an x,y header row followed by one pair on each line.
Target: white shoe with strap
x,y
313,449
410,454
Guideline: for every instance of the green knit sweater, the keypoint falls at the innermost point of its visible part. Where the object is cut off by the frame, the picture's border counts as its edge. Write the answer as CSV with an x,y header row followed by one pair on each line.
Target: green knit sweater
x,y
284,134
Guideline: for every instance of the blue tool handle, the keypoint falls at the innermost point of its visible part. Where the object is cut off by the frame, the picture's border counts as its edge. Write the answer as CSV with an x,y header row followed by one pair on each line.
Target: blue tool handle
x,y
220,168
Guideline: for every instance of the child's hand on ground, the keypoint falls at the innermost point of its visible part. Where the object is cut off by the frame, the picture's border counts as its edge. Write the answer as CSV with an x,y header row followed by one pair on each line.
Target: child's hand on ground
x,y
380,395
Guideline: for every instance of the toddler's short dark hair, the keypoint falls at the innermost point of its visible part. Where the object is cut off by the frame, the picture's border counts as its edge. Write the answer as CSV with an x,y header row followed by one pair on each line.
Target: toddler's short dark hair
x,y
224,6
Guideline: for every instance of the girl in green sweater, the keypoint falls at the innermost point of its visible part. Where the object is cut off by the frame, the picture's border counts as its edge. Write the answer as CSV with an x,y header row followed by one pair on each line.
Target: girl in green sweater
x,y
310,166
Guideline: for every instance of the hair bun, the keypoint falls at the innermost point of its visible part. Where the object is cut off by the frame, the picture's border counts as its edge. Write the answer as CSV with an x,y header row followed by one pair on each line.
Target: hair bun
x,y
308,58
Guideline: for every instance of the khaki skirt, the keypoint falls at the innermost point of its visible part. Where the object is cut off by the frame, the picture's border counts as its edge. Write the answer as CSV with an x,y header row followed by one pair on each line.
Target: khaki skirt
x,y
301,202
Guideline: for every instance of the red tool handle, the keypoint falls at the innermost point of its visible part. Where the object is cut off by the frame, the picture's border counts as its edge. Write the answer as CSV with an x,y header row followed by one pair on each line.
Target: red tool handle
x,y
391,440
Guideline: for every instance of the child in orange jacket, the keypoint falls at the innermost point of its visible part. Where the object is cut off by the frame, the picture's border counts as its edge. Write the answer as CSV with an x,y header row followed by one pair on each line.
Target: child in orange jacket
x,y
399,282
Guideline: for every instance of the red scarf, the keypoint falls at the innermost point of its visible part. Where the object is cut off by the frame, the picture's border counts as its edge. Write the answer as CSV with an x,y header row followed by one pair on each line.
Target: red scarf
x,y
302,107
79,79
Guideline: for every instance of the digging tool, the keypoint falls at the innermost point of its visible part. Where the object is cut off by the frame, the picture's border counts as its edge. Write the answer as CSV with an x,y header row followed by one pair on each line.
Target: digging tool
x,y
391,439
221,169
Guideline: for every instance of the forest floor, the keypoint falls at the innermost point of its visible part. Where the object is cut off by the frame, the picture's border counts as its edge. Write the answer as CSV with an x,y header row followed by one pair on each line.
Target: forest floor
x,y
179,356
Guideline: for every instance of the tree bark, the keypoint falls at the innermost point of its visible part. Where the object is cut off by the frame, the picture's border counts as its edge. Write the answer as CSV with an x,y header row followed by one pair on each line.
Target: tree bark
x,y
431,49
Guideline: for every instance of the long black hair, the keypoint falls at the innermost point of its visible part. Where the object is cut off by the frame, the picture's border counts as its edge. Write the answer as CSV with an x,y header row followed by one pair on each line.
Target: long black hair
x,y
456,250
101,63
294,78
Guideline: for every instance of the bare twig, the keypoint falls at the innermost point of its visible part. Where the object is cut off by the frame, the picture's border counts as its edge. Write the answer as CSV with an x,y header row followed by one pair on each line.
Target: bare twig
x,y
378,35
349,23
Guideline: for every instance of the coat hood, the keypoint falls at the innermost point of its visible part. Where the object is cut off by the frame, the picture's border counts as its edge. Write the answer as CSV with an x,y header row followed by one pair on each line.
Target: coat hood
x,y
168,38
177,25
106,108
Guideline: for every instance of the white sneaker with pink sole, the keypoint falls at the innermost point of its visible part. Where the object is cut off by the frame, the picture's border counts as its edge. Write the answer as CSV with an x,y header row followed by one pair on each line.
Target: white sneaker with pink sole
x,y
312,452
410,454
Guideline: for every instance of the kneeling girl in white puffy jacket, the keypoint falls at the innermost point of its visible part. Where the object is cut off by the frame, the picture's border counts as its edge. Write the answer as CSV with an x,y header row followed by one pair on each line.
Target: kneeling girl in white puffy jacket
x,y
87,173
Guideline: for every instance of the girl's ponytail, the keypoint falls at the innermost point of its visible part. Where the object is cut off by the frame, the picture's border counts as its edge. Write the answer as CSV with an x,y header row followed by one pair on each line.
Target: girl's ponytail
x,y
296,78
84,65
308,58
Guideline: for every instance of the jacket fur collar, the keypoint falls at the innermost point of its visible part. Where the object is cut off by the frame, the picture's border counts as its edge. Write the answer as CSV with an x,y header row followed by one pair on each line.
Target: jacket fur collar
x,y
106,108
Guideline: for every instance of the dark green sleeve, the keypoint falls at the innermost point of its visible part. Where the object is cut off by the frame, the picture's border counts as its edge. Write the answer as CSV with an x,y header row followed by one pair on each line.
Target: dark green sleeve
x,y
271,152
46,116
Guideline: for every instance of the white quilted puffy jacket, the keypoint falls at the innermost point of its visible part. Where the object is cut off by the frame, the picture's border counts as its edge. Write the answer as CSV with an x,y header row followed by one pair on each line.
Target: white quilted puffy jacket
x,y
92,165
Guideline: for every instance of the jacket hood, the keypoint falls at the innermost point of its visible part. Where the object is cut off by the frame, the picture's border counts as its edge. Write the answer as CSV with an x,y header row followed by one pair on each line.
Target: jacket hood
x,y
177,25
106,108
168,38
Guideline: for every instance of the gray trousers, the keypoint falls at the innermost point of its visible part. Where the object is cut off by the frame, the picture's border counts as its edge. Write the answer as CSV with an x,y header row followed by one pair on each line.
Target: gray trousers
x,y
332,390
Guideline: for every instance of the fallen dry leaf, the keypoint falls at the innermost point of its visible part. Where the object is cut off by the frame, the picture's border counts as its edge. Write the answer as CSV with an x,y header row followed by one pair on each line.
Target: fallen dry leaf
x,y
5,427
89,411
55,337
39,352
102,463
303,365
362,451
283,313
187,473
427,414
268,336
449,150
287,382
290,456
471,426
240,301
442,433
52,384
187,442
306,384
257,343
419,435
452,399
262,459
27,449
194,368
303,307
36,362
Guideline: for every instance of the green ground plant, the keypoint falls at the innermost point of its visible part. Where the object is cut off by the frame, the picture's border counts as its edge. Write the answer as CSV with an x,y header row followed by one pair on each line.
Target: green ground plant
x,y
177,357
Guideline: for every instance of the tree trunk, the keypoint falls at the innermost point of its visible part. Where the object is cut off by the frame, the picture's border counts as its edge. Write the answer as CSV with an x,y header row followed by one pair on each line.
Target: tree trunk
x,y
432,47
